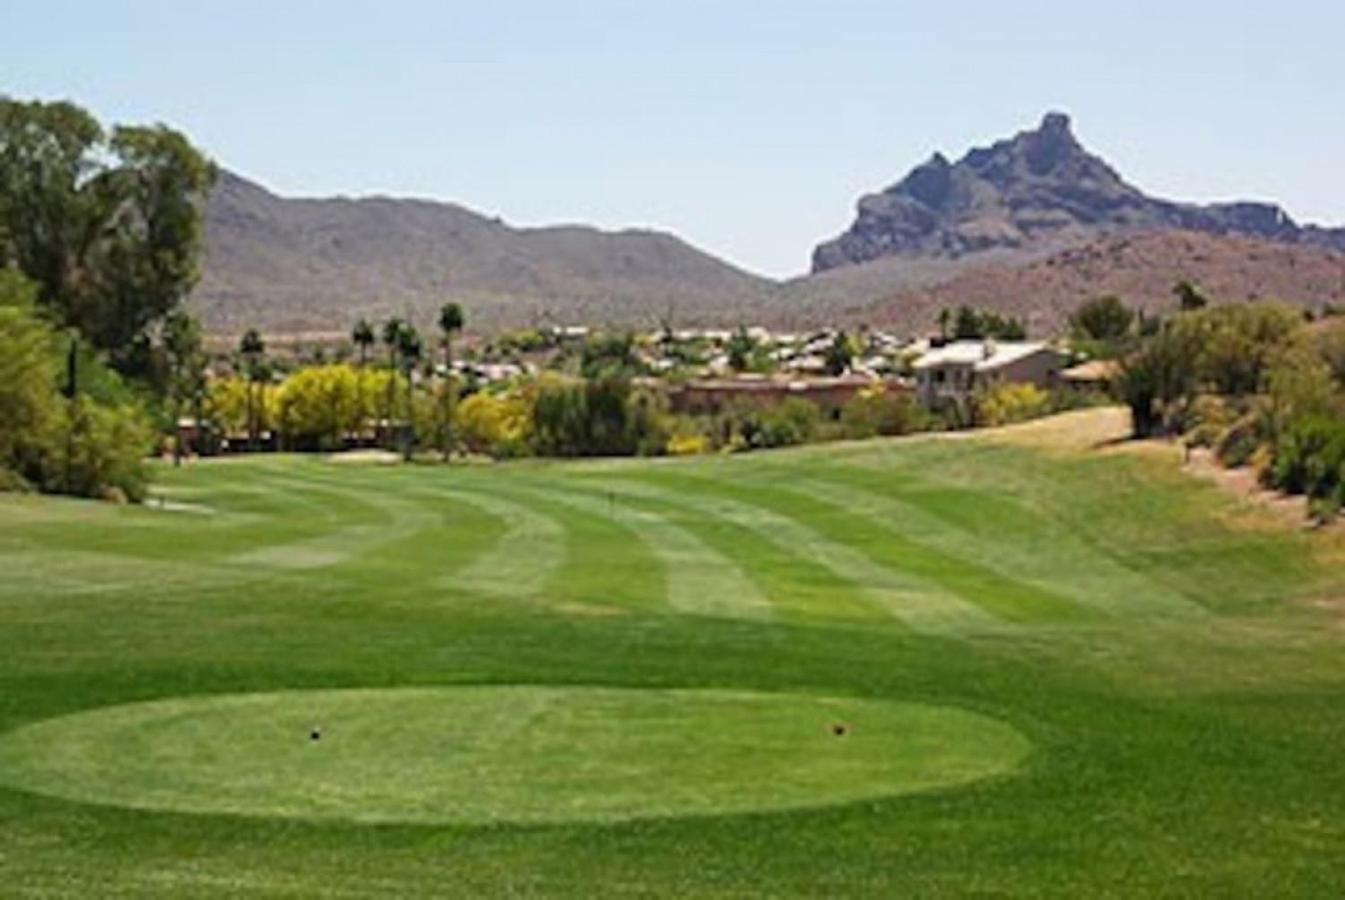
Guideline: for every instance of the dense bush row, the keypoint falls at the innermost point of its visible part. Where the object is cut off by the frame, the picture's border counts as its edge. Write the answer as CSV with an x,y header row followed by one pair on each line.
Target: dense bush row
x,y
555,415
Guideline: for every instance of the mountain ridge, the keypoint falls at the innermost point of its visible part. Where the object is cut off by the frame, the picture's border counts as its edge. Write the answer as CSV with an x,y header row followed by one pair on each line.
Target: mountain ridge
x,y
293,263
981,230
1040,189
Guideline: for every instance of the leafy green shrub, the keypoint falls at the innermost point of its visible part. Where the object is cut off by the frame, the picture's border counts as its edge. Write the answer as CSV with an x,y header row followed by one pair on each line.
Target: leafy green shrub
x,y
597,417
102,452
876,412
753,426
1310,458
1325,509
85,447
1331,347
789,422
13,482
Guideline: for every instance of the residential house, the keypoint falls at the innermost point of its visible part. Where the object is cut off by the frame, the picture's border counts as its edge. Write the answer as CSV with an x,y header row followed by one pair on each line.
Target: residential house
x,y
714,395
950,374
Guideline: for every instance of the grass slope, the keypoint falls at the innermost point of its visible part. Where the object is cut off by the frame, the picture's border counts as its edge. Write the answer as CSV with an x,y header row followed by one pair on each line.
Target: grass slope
x,y
1172,663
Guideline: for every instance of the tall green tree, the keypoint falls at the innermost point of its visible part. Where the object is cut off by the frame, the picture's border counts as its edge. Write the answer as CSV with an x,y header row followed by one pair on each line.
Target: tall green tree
x,y
185,357
1106,318
1159,381
107,223
975,324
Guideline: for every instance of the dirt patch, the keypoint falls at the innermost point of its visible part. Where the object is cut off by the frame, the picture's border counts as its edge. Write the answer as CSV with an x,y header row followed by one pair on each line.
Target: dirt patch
x,y
1071,432
366,458
1242,484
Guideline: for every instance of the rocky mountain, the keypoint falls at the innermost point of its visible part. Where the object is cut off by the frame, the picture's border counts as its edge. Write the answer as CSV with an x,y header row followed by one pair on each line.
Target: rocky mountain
x,y
315,265
1033,193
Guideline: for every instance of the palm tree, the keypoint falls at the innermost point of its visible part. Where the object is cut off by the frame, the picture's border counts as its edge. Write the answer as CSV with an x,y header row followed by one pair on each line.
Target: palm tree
x,y
392,335
409,349
450,322
253,348
362,335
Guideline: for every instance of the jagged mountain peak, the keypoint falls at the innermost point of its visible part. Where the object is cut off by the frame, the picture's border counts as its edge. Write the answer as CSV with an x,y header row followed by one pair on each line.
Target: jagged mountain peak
x,y
1034,192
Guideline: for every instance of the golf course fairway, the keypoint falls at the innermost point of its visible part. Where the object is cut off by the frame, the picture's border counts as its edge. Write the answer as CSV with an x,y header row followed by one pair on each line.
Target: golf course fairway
x,y
503,754
1060,665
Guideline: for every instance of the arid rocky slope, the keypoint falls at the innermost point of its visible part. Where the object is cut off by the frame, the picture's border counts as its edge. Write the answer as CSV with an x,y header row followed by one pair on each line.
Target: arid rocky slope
x,y
300,265
1141,269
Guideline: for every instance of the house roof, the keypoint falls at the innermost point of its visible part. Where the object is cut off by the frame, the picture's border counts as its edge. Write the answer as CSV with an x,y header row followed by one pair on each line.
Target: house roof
x,y
983,356
1093,370
751,384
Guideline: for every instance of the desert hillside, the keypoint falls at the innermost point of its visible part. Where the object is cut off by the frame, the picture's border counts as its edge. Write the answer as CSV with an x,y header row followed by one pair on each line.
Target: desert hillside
x,y
303,264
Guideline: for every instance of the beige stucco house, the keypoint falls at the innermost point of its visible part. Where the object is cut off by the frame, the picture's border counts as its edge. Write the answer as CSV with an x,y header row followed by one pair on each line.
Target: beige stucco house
x,y
951,374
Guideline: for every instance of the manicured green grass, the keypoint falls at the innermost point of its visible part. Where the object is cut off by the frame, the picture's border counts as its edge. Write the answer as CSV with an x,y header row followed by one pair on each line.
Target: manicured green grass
x,y
1062,675
503,754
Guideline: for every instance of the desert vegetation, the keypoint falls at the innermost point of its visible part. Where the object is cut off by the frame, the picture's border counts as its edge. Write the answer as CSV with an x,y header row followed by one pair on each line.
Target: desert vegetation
x,y
1258,383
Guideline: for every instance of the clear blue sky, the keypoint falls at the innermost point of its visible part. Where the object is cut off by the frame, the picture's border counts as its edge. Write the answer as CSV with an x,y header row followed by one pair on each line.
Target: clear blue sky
x,y
747,128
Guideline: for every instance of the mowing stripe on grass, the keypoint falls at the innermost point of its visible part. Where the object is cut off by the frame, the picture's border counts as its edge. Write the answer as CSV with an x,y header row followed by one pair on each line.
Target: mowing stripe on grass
x,y
798,589
603,563
397,519
521,560
1002,534
921,606
71,572
701,580
955,575
961,570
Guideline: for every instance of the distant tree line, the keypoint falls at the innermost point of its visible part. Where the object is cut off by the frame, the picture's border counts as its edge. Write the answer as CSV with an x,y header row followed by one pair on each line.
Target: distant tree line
x,y
968,323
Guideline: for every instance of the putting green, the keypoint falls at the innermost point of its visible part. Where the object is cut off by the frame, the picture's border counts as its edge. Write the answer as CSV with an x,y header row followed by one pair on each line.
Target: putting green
x,y
503,754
